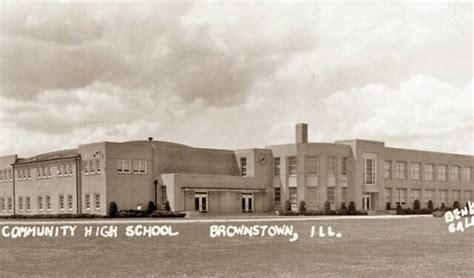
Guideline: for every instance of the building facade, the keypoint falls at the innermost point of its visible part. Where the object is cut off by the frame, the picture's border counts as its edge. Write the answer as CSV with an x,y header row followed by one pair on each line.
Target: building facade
x,y
131,174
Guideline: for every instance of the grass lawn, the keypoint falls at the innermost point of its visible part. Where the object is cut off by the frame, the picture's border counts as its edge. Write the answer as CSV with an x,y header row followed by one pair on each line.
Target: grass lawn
x,y
415,247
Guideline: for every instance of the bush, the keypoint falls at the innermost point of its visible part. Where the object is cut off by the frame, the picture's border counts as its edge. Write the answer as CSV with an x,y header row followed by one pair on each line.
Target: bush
x,y
151,208
343,206
352,206
287,205
314,212
167,213
327,208
388,206
399,209
130,213
430,205
113,209
443,207
167,206
302,208
416,204
456,205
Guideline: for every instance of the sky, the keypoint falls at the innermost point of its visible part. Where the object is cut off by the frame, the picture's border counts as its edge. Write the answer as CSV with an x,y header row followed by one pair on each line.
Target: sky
x,y
235,75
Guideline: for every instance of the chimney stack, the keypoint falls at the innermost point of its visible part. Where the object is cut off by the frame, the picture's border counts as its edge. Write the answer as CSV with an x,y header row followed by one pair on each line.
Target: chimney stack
x,y
301,135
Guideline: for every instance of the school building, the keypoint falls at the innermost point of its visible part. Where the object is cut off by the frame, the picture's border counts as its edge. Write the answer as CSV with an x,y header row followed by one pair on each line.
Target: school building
x,y
212,181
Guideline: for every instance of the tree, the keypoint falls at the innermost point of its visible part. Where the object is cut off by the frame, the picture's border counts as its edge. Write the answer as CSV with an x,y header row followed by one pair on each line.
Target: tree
x,y
456,205
287,205
151,207
113,209
343,206
399,209
443,207
430,205
416,204
302,207
167,206
352,206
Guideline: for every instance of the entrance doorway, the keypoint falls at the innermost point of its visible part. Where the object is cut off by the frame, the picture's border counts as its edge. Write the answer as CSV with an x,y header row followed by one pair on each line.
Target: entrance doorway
x,y
366,202
247,202
200,202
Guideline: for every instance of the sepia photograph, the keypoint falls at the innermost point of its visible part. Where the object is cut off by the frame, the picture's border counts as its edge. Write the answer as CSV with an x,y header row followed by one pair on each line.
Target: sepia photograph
x,y
236,138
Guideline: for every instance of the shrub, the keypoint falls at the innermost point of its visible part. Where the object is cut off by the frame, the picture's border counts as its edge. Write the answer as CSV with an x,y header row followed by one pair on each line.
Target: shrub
x,y
167,213
416,204
327,208
430,205
287,205
388,206
399,209
456,205
151,207
314,212
113,209
352,206
167,206
343,206
443,207
302,209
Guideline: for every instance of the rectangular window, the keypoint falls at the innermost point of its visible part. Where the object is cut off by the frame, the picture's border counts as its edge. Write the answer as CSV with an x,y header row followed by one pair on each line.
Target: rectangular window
x,y
4,205
40,203
369,171
455,171
10,174
429,172
60,170
292,166
429,196
86,166
49,171
415,195
97,165
466,174
20,203
442,172
277,196
468,196
387,169
69,202
344,166
139,167
61,202
48,203
330,195
388,195
243,166
66,170
401,197
456,196
312,196
415,171
276,166
10,204
443,197
400,170
28,171
38,172
87,201
123,166
91,167
344,195
28,203
293,198
312,165
1,175
97,201
331,164
71,171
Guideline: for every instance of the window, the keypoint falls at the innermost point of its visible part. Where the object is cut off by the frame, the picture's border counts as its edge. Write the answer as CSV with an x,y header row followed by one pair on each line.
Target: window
x,y
69,202
292,165
442,172
61,202
369,171
277,196
455,171
60,170
97,201
388,195
243,166
164,197
400,170
20,203
28,203
28,173
1,175
247,202
415,195
387,169
87,200
415,171
456,195
48,203
344,195
344,166
91,167
443,197
466,174
331,164
401,196
97,165
40,203
2,201
276,166
330,195
293,198
468,196
66,169
312,196
49,171
312,165
86,167
429,172
429,196
123,166
10,174
10,204
38,172
139,167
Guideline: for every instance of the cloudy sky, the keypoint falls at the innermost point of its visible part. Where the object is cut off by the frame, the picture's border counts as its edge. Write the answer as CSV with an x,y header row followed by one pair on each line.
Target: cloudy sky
x,y
235,75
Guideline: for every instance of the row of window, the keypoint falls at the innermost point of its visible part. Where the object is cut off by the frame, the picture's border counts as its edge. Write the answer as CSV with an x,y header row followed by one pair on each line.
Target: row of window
x,y
312,165
427,173
91,167
400,195
311,194
139,166
65,202
6,175
44,171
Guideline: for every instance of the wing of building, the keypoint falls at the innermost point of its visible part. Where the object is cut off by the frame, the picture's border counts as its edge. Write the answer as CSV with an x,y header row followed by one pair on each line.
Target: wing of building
x,y
131,174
